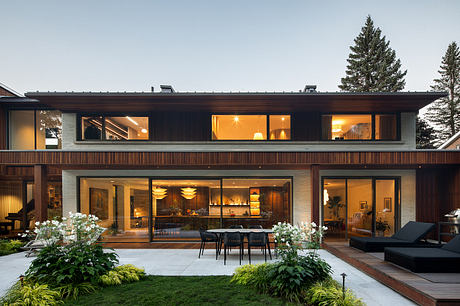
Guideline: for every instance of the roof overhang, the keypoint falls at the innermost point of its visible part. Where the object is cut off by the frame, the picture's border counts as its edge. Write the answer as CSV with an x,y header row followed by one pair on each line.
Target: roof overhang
x,y
237,102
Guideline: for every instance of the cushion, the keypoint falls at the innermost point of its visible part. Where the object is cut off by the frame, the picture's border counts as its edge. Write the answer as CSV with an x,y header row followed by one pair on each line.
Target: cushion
x,y
413,231
453,245
424,259
376,244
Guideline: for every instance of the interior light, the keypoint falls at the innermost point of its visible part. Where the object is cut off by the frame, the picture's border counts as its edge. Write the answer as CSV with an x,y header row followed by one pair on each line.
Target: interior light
x,y
144,131
258,136
236,118
282,118
337,122
326,197
130,119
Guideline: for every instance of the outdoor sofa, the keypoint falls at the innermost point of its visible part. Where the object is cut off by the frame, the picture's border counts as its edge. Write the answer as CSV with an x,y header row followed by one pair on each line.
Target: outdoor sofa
x,y
445,259
408,236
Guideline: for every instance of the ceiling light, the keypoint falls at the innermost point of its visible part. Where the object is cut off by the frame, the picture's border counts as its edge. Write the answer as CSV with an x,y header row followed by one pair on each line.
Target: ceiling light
x,y
129,118
236,118
144,131
282,118
188,193
159,193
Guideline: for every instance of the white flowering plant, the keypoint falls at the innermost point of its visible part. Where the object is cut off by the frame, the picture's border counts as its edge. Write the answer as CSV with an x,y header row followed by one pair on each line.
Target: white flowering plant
x,y
289,240
313,234
77,228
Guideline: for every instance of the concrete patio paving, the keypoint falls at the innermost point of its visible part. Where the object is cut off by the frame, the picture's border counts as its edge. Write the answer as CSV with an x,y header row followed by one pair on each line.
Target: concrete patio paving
x,y
186,263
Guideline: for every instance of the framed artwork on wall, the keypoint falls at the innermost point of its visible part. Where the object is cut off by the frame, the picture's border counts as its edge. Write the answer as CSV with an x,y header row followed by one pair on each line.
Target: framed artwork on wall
x,y
99,203
363,205
387,204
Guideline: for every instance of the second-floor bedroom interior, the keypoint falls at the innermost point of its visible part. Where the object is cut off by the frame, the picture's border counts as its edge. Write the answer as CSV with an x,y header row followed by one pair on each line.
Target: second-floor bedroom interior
x,y
114,128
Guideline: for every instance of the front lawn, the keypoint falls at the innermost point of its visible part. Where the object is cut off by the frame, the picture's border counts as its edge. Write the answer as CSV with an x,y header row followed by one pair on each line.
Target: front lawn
x,y
178,290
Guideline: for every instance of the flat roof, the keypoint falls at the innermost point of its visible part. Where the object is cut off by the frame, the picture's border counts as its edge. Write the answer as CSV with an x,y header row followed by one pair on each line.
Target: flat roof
x,y
237,101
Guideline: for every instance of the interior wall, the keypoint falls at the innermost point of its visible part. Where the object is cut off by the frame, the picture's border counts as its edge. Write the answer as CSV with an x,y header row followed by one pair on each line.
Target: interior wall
x,y
10,199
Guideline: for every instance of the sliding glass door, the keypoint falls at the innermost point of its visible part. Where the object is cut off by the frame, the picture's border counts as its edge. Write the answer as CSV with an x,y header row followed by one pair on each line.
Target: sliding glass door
x,y
360,206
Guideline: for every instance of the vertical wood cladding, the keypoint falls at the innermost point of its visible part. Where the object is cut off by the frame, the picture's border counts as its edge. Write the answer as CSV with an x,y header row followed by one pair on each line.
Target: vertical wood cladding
x,y
437,193
306,126
181,126
3,128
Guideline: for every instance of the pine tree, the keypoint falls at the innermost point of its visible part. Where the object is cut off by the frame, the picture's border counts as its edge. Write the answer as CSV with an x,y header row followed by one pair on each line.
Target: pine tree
x,y
372,64
445,112
426,135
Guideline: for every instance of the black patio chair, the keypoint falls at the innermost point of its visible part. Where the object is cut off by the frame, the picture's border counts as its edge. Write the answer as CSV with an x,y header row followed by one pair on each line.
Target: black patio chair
x,y
408,236
445,259
232,240
235,227
208,237
258,240
258,226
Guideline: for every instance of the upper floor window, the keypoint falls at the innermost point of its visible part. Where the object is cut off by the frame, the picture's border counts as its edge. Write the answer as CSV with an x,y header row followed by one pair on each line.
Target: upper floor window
x,y
35,129
114,128
359,127
251,127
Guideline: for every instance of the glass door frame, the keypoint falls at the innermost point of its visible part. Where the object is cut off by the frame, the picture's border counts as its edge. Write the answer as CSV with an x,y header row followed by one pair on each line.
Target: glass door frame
x,y
397,192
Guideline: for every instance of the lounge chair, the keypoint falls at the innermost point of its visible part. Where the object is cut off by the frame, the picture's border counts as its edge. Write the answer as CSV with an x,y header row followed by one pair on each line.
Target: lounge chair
x,y
408,236
445,259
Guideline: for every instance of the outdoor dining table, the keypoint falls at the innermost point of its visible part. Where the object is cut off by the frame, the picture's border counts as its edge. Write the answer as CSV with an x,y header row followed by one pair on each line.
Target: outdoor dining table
x,y
243,231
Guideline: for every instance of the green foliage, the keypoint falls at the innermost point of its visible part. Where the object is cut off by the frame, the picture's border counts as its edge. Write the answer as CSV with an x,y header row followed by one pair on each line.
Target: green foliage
x,y
445,112
256,276
372,64
426,135
329,293
72,290
122,274
32,294
76,263
10,246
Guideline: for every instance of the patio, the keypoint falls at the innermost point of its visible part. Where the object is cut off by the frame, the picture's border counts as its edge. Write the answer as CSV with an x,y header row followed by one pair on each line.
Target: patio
x,y
185,262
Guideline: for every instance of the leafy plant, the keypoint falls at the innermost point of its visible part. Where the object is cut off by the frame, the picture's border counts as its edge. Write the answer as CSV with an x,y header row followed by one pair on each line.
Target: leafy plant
x,y
316,268
329,293
73,290
122,274
10,246
381,225
76,263
313,234
289,239
31,294
287,280
335,203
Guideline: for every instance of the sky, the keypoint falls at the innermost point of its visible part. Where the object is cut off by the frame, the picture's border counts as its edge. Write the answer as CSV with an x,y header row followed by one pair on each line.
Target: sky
x,y
256,45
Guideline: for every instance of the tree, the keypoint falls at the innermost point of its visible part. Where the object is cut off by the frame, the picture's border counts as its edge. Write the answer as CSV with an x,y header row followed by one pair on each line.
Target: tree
x,y
372,64
426,135
445,112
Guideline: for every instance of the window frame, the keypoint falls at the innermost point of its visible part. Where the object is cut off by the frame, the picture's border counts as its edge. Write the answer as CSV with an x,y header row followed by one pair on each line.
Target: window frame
x,y
267,115
373,114
111,114
34,109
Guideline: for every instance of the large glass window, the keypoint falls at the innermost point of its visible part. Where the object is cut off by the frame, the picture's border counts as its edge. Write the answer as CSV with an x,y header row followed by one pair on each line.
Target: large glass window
x,y
181,207
360,206
280,127
359,127
35,129
239,127
122,204
114,128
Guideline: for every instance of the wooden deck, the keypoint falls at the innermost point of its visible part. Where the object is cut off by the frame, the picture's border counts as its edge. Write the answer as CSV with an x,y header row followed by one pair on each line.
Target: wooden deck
x,y
408,284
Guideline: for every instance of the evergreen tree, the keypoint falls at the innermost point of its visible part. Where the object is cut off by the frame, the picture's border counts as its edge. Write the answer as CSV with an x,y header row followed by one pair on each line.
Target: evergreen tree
x,y
372,64
445,112
426,135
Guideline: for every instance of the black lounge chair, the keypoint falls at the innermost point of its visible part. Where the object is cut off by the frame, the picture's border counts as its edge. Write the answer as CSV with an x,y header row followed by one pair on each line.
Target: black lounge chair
x,y
445,259
408,236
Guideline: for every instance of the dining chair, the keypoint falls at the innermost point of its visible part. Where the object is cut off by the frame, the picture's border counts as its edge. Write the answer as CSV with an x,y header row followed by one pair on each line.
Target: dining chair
x,y
208,237
233,240
258,240
235,227
257,226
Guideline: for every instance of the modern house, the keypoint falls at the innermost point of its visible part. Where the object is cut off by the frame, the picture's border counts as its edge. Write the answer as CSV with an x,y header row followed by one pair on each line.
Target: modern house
x,y
158,166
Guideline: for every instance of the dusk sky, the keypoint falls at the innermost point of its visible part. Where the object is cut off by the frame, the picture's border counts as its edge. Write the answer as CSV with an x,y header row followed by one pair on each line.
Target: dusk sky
x,y
211,45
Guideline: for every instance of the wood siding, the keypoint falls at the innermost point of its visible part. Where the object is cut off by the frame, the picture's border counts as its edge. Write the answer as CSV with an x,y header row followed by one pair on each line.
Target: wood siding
x,y
180,126
3,128
67,159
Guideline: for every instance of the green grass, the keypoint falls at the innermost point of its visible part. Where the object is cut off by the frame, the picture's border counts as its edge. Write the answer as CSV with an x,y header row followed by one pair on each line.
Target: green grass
x,y
178,290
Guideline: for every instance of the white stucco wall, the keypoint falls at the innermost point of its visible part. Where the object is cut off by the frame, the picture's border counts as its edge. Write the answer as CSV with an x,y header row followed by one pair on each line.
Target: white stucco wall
x,y
301,199
407,200
69,142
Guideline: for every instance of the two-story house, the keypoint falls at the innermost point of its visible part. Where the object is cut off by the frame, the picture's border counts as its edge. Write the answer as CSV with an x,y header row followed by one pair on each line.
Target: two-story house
x,y
158,166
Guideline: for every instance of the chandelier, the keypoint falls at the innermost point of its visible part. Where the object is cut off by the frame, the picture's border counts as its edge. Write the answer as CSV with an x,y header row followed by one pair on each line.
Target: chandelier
x,y
188,192
159,193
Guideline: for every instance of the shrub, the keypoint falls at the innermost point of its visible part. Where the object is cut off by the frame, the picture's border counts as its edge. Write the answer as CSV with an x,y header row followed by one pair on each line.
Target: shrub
x,y
122,274
76,263
31,294
289,239
316,268
10,246
329,293
72,290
